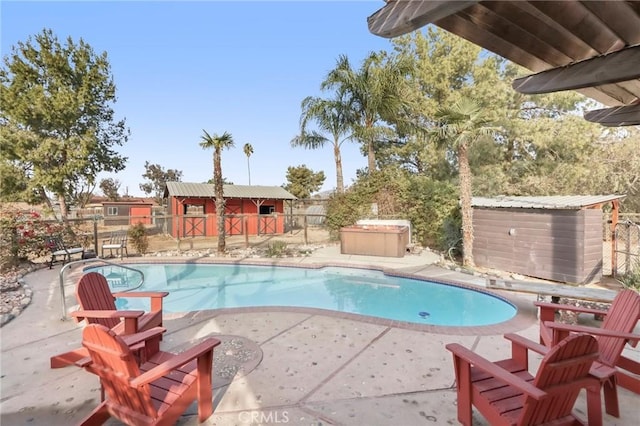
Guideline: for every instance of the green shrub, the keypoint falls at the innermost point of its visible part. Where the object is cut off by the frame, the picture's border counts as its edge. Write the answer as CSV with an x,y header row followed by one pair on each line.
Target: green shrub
x,y
430,205
139,238
450,238
345,210
380,187
277,249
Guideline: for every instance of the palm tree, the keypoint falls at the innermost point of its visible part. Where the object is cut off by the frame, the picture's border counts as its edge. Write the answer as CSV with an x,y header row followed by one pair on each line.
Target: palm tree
x,y
248,150
374,92
330,115
218,143
460,125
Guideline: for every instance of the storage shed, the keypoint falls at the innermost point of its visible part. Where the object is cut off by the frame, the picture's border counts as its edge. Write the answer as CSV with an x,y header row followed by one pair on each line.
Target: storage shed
x,y
557,238
127,212
250,209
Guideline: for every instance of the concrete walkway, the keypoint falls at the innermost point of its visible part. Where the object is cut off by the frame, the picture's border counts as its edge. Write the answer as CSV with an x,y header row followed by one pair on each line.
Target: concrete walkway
x,y
317,368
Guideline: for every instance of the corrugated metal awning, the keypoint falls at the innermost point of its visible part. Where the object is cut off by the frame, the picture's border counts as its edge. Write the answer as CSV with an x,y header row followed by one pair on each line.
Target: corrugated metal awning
x,y
206,190
539,35
553,202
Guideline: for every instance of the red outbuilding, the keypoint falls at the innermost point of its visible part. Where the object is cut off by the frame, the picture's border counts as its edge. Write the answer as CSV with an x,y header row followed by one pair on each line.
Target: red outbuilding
x,y
255,210
127,212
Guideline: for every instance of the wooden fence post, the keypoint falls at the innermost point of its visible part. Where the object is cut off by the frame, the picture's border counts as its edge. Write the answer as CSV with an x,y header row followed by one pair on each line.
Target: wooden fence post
x,y
245,230
95,234
306,239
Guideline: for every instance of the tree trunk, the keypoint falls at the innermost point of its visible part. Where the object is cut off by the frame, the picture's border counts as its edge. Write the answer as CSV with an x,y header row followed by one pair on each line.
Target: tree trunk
x,y
220,202
371,157
220,207
465,205
338,157
249,170
63,207
45,199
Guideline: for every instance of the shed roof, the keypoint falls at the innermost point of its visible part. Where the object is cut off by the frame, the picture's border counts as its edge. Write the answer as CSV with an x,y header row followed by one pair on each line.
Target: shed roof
x,y
553,202
127,203
207,190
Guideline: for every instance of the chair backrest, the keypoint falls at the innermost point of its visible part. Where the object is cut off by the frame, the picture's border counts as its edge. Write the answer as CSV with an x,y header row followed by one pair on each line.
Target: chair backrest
x,y
118,237
115,364
564,364
55,243
622,316
93,294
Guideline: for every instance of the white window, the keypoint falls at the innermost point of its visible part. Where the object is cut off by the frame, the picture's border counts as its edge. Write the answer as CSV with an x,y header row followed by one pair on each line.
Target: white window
x,y
112,211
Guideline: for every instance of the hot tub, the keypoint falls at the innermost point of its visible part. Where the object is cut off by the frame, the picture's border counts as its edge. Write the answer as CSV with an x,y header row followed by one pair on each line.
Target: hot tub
x,y
374,240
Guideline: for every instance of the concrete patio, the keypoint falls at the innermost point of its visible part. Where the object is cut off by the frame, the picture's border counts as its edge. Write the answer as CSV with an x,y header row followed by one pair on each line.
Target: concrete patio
x,y
317,368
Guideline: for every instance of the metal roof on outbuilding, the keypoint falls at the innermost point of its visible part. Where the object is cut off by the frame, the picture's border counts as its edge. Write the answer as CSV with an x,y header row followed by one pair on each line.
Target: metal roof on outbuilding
x,y
207,190
553,202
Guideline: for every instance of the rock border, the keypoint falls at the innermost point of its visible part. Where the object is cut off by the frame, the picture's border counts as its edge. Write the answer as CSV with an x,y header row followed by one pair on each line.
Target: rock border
x,y
15,293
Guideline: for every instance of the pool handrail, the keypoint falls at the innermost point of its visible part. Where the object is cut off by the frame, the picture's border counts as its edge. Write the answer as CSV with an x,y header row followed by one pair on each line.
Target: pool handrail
x,y
85,261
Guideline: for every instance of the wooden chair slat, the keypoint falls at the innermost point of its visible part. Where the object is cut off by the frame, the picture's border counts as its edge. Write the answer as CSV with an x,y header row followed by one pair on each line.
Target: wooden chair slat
x,y
93,294
160,401
58,250
501,399
610,367
117,241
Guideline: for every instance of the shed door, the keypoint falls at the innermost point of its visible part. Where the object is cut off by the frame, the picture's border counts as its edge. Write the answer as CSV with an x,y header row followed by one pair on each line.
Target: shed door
x,y
194,226
233,225
267,223
136,215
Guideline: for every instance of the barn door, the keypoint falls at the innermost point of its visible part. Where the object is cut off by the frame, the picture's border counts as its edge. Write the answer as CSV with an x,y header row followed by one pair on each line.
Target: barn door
x,y
233,220
267,223
194,226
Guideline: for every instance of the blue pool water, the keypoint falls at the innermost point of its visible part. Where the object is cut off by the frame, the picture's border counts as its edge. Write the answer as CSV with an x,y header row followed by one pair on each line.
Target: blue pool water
x,y
195,287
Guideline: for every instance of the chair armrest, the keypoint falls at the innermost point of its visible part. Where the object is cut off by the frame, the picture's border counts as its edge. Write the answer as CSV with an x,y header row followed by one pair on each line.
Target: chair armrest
x,y
155,296
105,314
143,336
631,337
526,343
151,294
496,371
177,361
579,309
130,317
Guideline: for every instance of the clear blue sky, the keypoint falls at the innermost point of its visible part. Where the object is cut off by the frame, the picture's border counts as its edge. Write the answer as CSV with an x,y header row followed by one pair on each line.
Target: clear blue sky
x,y
242,67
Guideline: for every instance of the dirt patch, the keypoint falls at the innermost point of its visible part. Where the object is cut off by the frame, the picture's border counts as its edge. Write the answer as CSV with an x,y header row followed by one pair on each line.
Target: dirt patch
x,y
161,243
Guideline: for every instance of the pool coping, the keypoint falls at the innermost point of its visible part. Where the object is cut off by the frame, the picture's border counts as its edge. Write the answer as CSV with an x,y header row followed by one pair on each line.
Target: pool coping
x,y
525,316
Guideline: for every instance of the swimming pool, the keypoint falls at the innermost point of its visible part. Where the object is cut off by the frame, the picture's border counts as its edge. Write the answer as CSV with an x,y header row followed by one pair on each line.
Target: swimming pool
x,y
195,287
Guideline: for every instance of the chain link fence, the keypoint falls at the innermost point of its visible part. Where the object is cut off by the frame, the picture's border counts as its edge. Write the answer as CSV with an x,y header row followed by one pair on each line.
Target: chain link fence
x,y
626,247
621,248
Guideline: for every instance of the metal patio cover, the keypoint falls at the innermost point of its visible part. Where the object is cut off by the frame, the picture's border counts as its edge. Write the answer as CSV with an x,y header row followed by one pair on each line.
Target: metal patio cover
x,y
589,46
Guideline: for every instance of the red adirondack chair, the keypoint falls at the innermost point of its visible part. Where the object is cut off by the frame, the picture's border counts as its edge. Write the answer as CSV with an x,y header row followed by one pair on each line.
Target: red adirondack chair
x,y
97,306
154,393
505,392
611,367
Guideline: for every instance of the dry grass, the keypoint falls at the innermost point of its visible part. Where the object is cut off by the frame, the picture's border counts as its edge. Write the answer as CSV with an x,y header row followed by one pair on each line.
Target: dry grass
x,y
159,243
